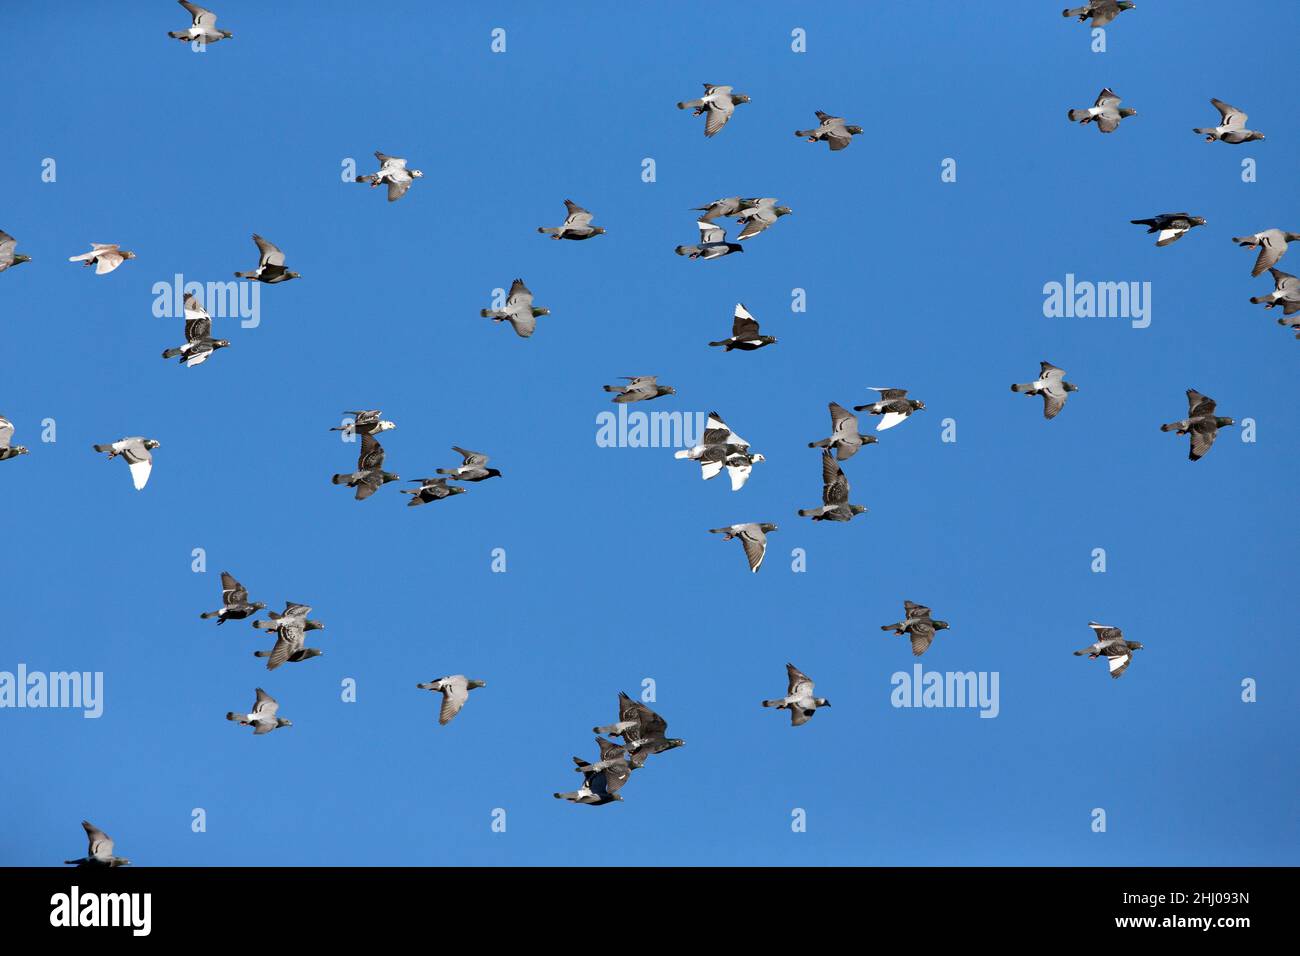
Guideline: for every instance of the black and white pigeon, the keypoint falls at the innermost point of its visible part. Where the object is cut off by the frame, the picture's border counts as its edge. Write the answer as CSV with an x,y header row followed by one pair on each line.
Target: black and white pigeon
x,y
893,408
203,29
918,625
394,173
833,130
577,225
270,264
1201,423
1106,112
1231,128
744,333
455,691
199,343
712,245
291,610
473,468
644,732
104,256
835,494
99,851
1102,12
8,257
639,388
136,452
1111,644
8,450
290,640
845,438
1050,384
264,717
599,787
1170,225
799,698
759,214
1286,293
720,208
235,605
753,537
719,102
370,475
519,311
430,490
1272,245
368,421
719,447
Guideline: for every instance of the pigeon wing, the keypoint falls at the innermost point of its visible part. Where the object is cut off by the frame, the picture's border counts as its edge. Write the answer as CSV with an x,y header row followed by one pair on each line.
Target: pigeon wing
x,y
269,253
1233,118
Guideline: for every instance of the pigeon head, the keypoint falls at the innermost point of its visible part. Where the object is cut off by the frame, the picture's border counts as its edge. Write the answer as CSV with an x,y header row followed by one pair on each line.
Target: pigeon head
x,y
739,98
283,722
1224,422
783,210
1198,220
1134,645
822,702
127,255
416,174
151,444
388,476
917,406
598,231
456,490
491,473
292,275
768,528
1127,5
756,458
672,742
385,426
258,605
18,450
858,509
309,652
221,343
541,311
940,625
19,259
1070,386
476,683
1125,112
854,130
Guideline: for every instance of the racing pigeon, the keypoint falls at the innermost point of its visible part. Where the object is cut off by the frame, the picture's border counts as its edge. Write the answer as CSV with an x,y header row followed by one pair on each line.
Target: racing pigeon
x,y
455,691
1201,424
719,102
519,311
136,451
1110,642
1051,384
744,333
264,717
799,698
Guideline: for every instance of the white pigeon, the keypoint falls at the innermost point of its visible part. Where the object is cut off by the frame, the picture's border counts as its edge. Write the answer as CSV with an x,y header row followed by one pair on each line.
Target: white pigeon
x,y
104,256
394,173
204,27
719,448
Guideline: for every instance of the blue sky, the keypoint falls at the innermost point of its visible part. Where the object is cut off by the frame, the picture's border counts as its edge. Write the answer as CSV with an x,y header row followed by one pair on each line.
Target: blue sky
x,y
611,577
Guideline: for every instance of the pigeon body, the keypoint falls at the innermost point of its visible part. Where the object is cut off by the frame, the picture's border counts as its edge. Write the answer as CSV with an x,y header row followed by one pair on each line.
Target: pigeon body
x,y
799,698
291,610
753,537
1170,226
370,475
1201,424
644,732
270,264
204,27
1050,384
918,625
833,130
136,452
366,422
719,448
1102,12
1286,293
455,692
720,209
290,637
99,849
472,468
712,245
1272,245
519,311
845,438
744,333
577,225
430,490
1232,126
264,717
599,787
104,256
8,257
835,494
893,408
760,214
719,102
235,605
8,450
199,343
394,173
1110,643
1105,112
639,388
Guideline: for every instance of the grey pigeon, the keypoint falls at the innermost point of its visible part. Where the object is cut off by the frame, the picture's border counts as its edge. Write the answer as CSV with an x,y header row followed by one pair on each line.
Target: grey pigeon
x,y
264,717
639,388
370,475
104,256
99,851
712,245
611,755
235,605
136,452
1286,293
1201,423
599,787
719,102
1105,112
270,264
394,173
473,468
835,494
799,698
833,130
1231,128
759,214
291,610
577,225
753,537
1051,384
1170,225
720,208
918,625
430,490
519,311
368,421
894,407
8,257
199,343
8,450
455,691
643,731
1272,245
1102,12
1110,643
844,434
744,333
719,447
290,640
204,28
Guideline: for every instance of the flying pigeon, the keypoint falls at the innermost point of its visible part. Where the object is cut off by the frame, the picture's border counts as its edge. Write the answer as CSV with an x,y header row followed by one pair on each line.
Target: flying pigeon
x,y
1286,293
99,852
639,388
204,29
366,422
235,605
744,333
394,173
472,469
598,786
199,343
1101,11
759,214
798,699
270,264
136,452
264,716
753,537
894,406
290,638
1201,423
832,130
719,448
519,311
1111,643
1272,245
918,625
720,208
291,610
455,691
844,434
7,255
7,450
1105,111
577,225
1051,384
835,494
370,475
719,102
643,731
712,245
430,490
104,256
1231,128
611,755
1170,225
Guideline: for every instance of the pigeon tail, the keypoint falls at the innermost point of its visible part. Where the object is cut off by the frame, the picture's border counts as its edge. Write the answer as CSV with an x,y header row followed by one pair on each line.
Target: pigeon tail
x,y
341,479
